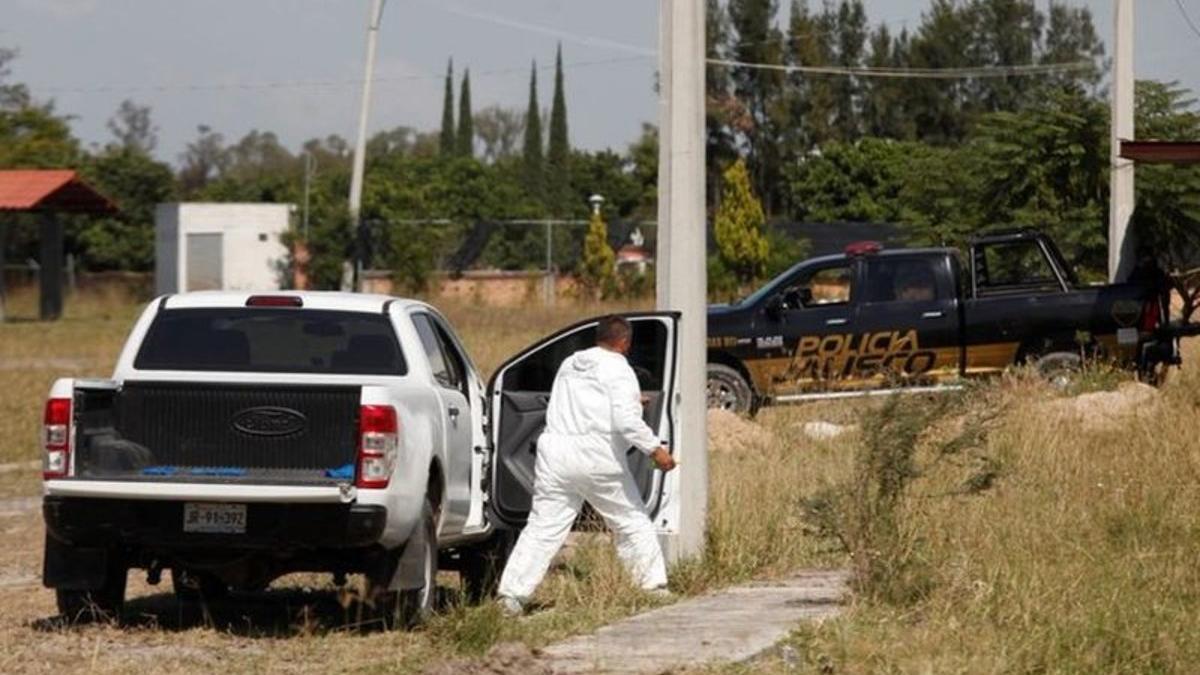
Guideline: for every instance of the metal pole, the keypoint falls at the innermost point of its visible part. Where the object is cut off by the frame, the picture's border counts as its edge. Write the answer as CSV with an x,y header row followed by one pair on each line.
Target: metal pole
x,y
360,145
1122,245
548,285
686,287
308,170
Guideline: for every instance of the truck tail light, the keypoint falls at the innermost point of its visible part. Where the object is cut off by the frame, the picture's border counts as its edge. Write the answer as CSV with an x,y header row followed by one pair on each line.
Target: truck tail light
x,y
56,438
1151,316
378,444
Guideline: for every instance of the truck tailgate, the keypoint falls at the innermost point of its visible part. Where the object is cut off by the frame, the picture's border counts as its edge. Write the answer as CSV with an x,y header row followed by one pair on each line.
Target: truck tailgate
x,y
217,433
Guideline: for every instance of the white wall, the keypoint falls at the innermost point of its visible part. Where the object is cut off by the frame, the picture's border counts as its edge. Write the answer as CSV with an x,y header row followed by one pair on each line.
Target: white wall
x,y
252,249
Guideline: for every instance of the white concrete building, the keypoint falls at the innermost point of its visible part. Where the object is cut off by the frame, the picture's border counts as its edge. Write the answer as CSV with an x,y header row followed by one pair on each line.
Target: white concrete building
x,y
208,246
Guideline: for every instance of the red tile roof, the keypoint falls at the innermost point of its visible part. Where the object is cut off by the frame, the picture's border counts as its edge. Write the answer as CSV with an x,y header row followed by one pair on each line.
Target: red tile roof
x,y
50,190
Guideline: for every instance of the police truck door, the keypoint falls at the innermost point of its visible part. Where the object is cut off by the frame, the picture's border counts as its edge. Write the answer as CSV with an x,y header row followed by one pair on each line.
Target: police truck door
x,y
908,320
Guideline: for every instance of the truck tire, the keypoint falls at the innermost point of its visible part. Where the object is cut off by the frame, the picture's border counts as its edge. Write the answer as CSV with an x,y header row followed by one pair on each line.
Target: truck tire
x,y
483,564
1059,368
97,604
409,608
728,390
196,587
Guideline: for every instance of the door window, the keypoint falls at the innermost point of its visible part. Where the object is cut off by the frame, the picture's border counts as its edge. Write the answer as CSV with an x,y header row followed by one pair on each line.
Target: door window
x,y
456,363
825,287
904,280
443,372
536,371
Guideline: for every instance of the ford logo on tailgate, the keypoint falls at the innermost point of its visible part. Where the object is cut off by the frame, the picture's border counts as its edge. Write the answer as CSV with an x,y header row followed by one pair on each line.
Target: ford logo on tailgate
x,y
269,421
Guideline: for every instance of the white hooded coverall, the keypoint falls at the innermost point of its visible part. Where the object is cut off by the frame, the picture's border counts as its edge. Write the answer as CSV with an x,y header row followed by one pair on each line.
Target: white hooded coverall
x,y
594,415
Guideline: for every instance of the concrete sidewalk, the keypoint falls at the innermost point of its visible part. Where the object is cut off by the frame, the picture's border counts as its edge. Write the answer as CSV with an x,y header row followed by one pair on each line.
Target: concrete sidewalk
x,y
733,625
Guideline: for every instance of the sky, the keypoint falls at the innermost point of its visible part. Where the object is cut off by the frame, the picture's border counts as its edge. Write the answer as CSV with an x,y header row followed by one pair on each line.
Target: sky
x,y
294,66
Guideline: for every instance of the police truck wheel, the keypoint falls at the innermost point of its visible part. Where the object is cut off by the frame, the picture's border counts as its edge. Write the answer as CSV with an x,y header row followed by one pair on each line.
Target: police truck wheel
x,y
1059,368
728,390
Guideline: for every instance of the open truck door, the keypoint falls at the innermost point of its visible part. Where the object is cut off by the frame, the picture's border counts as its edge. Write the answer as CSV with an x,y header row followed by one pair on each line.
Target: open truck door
x,y
519,393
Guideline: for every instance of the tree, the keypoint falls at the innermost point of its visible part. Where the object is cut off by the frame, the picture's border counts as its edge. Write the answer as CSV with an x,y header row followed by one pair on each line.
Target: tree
x,y
738,227
202,161
598,269
859,181
137,183
466,122
558,155
722,108
448,145
31,134
132,128
498,129
1166,220
532,156
851,36
758,41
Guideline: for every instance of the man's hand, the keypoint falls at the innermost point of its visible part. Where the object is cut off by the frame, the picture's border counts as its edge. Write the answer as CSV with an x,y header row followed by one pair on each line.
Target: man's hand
x,y
663,459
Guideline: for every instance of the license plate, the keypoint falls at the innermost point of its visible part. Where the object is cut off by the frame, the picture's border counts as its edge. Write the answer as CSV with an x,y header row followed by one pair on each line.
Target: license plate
x,y
1127,336
214,518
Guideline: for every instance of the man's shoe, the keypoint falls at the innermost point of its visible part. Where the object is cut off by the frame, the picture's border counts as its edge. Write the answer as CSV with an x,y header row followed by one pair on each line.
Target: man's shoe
x,y
511,607
661,592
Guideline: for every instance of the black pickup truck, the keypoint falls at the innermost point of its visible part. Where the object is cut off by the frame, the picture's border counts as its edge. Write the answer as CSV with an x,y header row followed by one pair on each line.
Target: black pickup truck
x,y
873,320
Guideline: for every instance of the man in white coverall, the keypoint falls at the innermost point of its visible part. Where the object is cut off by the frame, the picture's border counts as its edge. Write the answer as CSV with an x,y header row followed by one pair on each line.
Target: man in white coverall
x,y
594,416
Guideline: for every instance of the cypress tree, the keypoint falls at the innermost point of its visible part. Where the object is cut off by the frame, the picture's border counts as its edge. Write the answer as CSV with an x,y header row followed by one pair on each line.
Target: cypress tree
x,y
466,122
533,142
447,145
558,155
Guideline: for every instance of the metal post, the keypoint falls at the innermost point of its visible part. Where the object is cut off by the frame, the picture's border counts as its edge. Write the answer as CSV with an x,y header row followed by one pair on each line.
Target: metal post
x,y
360,145
548,285
1122,245
681,252
50,271
308,171
3,243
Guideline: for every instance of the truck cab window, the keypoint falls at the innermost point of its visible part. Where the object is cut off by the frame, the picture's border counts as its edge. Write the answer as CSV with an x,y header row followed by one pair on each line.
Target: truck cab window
x,y
904,280
822,288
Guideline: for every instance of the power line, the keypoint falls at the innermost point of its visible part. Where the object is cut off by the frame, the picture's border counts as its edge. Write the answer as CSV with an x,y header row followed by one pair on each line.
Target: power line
x,y
1187,17
915,73
318,84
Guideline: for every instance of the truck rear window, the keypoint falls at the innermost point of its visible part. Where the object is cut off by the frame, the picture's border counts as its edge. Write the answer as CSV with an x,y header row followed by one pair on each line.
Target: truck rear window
x,y
270,340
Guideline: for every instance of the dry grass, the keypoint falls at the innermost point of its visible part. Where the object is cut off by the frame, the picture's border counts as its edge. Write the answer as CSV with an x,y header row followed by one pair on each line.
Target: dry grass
x,y
1080,557
300,625
1077,554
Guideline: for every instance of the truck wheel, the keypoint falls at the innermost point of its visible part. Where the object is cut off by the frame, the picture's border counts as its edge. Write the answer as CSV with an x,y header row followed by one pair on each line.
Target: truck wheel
x,y
96,604
195,587
728,390
483,564
411,607
1059,368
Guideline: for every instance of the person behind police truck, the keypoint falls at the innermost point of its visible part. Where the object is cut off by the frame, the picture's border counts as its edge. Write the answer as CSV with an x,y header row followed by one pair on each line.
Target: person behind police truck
x,y
594,415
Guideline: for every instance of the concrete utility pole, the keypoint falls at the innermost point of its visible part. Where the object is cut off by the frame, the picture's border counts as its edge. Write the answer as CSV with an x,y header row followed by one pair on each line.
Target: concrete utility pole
x,y
681,272
1121,243
360,145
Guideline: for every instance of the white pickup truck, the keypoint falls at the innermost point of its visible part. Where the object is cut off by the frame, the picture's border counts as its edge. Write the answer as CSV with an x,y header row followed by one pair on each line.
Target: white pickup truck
x,y
243,437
